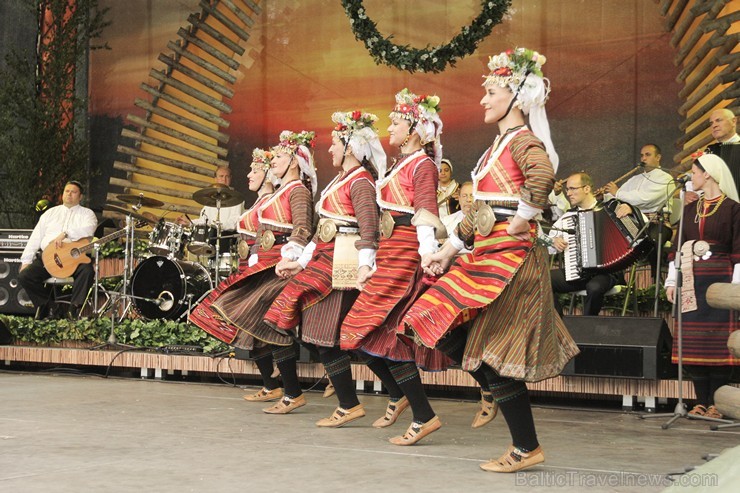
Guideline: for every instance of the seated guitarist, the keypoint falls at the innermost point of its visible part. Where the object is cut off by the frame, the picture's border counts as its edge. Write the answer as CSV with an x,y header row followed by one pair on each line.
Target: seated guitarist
x,y
63,223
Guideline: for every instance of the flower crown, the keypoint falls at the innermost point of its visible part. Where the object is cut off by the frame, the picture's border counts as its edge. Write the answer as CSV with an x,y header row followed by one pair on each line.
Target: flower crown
x,y
261,159
511,67
415,108
289,141
352,121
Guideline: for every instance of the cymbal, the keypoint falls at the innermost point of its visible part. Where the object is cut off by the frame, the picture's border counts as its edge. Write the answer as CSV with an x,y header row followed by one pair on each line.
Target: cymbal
x,y
140,200
210,196
127,212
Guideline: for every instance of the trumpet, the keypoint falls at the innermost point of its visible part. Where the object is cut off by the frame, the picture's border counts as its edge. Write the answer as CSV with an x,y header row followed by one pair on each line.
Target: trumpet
x,y
600,191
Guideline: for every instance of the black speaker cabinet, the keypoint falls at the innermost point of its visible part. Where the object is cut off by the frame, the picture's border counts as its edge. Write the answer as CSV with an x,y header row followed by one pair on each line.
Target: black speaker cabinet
x,y
621,347
13,298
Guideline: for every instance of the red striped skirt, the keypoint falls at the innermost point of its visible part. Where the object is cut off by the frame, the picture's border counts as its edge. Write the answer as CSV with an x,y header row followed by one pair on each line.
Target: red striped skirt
x,y
506,282
370,325
472,283
310,300
229,309
706,329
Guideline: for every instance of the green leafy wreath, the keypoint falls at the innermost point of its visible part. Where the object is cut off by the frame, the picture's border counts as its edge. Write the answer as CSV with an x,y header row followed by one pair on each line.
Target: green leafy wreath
x,y
430,59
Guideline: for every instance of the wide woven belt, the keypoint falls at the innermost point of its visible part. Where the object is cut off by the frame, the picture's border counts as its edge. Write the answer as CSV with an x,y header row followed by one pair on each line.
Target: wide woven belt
x,y
328,229
487,216
389,221
269,239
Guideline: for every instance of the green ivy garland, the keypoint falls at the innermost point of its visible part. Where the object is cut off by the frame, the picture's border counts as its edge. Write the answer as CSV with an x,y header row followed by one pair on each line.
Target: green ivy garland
x,y
136,332
430,59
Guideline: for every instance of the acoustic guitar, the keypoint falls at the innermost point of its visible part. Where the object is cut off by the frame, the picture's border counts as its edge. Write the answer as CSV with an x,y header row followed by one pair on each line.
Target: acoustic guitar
x,y
63,261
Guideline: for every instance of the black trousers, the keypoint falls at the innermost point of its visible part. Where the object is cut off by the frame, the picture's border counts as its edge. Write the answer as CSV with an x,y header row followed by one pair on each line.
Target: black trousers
x,y
32,280
595,286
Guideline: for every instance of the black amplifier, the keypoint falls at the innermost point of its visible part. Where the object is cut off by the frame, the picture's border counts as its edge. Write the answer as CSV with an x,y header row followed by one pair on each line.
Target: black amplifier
x,y
14,239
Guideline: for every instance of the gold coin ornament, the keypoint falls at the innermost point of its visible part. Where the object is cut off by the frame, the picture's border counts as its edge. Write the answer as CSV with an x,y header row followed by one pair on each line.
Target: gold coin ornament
x,y
485,219
267,240
386,224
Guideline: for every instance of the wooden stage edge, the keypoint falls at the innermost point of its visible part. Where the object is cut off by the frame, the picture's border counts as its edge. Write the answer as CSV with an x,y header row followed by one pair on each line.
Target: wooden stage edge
x,y
155,365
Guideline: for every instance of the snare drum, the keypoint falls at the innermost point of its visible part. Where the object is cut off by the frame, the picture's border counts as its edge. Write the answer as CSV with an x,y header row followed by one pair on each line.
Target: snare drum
x,y
203,241
165,287
168,239
200,240
227,265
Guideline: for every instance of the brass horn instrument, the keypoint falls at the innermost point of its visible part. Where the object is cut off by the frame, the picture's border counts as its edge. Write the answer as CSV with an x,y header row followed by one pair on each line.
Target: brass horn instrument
x,y
640,166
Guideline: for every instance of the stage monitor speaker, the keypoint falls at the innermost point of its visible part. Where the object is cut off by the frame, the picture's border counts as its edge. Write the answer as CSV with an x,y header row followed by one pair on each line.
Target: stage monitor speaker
x,y
13,298
621,347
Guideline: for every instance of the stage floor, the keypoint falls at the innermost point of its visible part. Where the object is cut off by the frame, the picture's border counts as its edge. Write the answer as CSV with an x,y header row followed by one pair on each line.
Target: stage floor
x,y
84,433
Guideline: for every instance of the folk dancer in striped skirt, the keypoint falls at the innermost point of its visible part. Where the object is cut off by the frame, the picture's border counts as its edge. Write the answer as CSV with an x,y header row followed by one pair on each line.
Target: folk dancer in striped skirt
x,y
710,254
207,316
324,287
407,195
517,336
285,220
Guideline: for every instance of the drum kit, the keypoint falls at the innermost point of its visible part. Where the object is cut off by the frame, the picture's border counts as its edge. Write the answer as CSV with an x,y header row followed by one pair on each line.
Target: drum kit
x,y
165,284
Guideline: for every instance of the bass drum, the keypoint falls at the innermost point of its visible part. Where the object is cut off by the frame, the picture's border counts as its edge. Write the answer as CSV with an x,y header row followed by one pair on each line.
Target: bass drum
x,y
164,287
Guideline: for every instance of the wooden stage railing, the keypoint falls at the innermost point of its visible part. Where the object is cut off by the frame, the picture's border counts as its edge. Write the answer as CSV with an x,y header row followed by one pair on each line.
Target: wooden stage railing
x,y
157,365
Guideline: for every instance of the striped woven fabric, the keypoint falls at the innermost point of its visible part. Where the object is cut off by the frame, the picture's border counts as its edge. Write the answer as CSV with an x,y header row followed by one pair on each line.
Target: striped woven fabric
x,y
706,330
371,324
225,310
473,282
520,335
306,289
321,322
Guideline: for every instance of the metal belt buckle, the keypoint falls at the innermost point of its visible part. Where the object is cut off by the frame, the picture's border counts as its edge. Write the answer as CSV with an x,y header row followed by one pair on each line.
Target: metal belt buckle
x,y
386,224
485,219
327,230
267,239
242,249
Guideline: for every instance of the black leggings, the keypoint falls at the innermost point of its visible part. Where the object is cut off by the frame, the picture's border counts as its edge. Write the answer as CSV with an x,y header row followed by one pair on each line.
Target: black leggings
x,y
338,367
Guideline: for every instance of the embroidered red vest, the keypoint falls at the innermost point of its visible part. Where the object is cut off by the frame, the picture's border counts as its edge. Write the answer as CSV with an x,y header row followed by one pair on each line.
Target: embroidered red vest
x,y
336,200
276,210
249,220
499,177
396,191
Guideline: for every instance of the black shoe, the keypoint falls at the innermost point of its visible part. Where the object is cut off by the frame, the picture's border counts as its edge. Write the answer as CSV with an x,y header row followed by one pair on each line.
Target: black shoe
x,y
60,311
73,313
43,312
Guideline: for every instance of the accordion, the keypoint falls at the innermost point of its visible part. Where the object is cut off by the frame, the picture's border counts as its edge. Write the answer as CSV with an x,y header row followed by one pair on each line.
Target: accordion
x,y
602,242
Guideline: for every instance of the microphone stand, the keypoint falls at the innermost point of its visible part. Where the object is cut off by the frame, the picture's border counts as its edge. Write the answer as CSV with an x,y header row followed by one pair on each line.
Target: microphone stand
x,y
680,409
660,216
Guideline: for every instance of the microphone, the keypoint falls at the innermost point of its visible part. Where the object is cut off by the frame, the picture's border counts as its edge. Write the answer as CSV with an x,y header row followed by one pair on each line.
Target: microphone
x,y
683,179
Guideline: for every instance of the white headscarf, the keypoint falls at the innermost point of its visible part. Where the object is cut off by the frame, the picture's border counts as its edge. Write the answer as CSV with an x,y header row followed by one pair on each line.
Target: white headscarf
x,y
299,144
716,167
423,111
520,70
363,137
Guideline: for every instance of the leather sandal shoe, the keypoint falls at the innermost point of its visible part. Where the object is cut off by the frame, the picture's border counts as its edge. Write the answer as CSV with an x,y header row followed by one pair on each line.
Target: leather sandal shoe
x,y
392,412
698,410
417,431
341,417
712,412
487,411
514,460
329,391
264,395
286,405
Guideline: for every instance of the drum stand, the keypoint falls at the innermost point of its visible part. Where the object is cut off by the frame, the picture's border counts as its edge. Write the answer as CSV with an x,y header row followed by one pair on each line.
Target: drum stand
x,y
217,259
128,260
96,310
680,409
